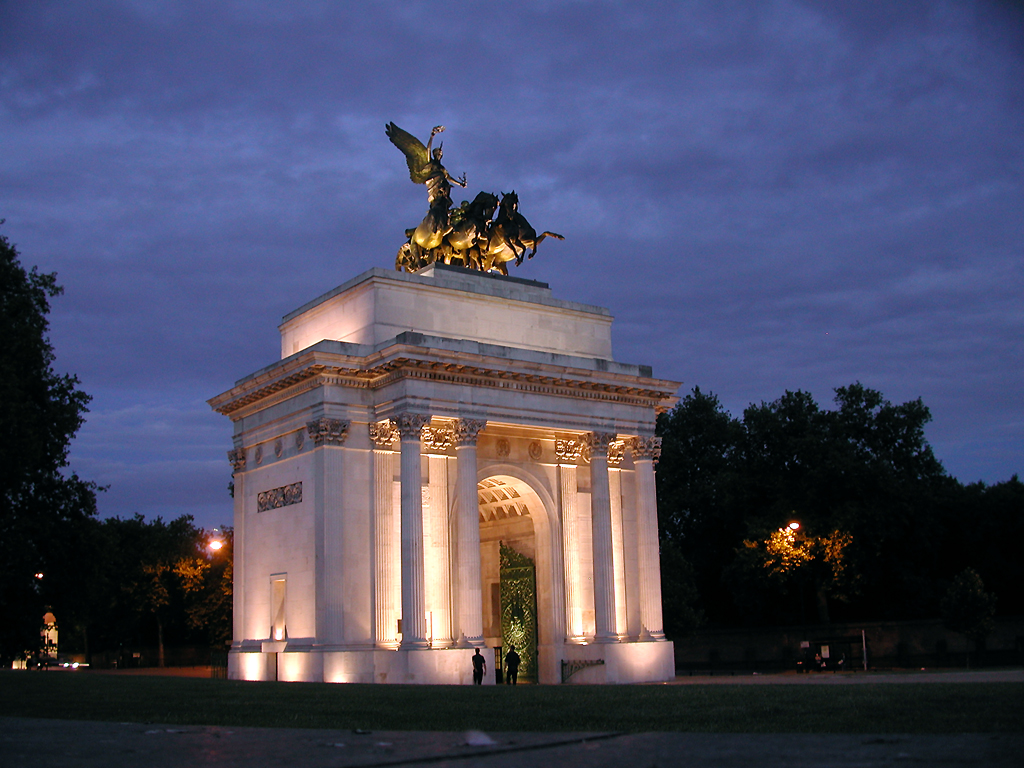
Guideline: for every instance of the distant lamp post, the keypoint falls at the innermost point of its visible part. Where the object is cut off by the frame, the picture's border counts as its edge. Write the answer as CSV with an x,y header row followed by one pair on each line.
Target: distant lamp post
x,y
216,545
794,526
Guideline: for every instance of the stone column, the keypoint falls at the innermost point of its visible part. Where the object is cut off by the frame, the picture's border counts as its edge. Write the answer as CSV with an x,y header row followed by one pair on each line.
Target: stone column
x,y
604,569
438,564
386,576
615,454
328,435
470,598
414,618
645,452
568,453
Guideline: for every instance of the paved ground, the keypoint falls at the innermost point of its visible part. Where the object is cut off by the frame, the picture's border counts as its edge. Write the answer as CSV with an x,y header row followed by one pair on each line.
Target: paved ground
x,y
856,678
29,743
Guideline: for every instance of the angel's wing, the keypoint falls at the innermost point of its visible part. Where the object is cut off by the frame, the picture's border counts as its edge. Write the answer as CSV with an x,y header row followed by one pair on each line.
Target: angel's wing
x,y
416,154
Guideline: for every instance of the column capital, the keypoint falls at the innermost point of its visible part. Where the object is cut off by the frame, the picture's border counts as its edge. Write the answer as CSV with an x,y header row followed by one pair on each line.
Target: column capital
x,y
237,458
616,452
410,425
437,439
599,442
325,431
568,451
466,431
383,433
644,448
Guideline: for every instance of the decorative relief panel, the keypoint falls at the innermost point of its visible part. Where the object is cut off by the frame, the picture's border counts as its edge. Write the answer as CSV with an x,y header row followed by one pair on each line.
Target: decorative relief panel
x,y
259,454
536,450
300,440
504,447
278,448
279,497
325,431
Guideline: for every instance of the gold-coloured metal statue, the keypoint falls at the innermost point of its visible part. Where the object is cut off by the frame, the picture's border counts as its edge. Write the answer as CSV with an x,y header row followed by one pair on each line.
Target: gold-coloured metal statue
x,y
466,235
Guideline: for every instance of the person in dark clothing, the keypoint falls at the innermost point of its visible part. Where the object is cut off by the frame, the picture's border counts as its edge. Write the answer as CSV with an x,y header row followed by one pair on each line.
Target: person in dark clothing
x,y
511,666
479,667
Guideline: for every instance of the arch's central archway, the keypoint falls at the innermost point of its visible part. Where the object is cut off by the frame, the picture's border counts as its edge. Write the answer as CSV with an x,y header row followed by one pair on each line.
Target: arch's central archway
x,y
506,521
513,513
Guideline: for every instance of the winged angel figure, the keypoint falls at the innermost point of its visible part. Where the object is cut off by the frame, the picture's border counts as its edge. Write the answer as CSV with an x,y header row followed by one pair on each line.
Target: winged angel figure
x,y
425,168
468,234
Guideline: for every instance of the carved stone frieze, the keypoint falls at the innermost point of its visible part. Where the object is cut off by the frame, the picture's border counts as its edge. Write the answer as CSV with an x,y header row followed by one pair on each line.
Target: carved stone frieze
x,y
410,425
383,433
466,431
325,431
568,451
284,496
237,458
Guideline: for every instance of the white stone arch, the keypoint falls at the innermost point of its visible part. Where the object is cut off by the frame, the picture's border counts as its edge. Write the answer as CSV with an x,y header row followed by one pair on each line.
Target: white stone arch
x,y
545,514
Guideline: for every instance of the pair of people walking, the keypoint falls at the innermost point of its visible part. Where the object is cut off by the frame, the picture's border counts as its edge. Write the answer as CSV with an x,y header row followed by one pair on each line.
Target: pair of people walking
x,y
512,661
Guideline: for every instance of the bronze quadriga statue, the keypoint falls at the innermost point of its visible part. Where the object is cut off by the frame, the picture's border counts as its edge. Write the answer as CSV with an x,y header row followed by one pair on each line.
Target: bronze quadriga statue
x,y
470,235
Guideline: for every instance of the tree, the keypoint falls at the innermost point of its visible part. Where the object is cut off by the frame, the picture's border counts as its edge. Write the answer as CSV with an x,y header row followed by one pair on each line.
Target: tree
x,y
43,506
968,609
159,574
887,519
787,560
697,509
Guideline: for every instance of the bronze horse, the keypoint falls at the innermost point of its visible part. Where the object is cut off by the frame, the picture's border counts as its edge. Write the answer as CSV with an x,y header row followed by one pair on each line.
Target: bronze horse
x,y
510,237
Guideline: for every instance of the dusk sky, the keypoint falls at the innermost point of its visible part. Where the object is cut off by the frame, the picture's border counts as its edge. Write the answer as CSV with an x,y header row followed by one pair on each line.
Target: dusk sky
x,y
767,196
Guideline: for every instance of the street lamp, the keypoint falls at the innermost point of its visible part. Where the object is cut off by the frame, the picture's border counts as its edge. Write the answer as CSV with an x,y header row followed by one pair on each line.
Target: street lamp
x,y
216,542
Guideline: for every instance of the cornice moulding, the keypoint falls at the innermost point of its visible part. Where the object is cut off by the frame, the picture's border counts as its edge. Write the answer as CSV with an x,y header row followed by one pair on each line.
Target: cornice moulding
x,y
314,368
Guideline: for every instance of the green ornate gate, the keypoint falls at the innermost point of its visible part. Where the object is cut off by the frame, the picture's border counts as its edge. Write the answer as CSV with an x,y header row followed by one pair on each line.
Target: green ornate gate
x,y
519,609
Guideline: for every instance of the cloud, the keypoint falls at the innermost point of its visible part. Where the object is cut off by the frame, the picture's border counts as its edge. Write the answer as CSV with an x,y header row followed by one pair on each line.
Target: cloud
x,y
788,195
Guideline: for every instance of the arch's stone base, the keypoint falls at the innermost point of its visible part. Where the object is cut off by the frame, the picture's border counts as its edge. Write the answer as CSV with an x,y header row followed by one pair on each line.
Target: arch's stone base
x,y
440,666
609,663
652,662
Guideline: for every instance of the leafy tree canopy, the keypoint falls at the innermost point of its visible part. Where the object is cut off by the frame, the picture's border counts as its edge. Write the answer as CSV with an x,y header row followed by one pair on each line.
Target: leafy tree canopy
x,y
883,528
43,506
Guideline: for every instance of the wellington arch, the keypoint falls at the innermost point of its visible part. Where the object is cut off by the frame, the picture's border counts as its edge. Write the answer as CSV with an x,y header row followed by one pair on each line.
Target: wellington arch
x,y
440,462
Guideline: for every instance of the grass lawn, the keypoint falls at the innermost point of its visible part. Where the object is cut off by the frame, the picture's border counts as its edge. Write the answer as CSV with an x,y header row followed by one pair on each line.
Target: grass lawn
x,y
882,708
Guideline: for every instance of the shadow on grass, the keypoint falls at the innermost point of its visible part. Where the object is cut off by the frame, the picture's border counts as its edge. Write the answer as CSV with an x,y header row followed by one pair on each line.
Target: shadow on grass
x,y
907,708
